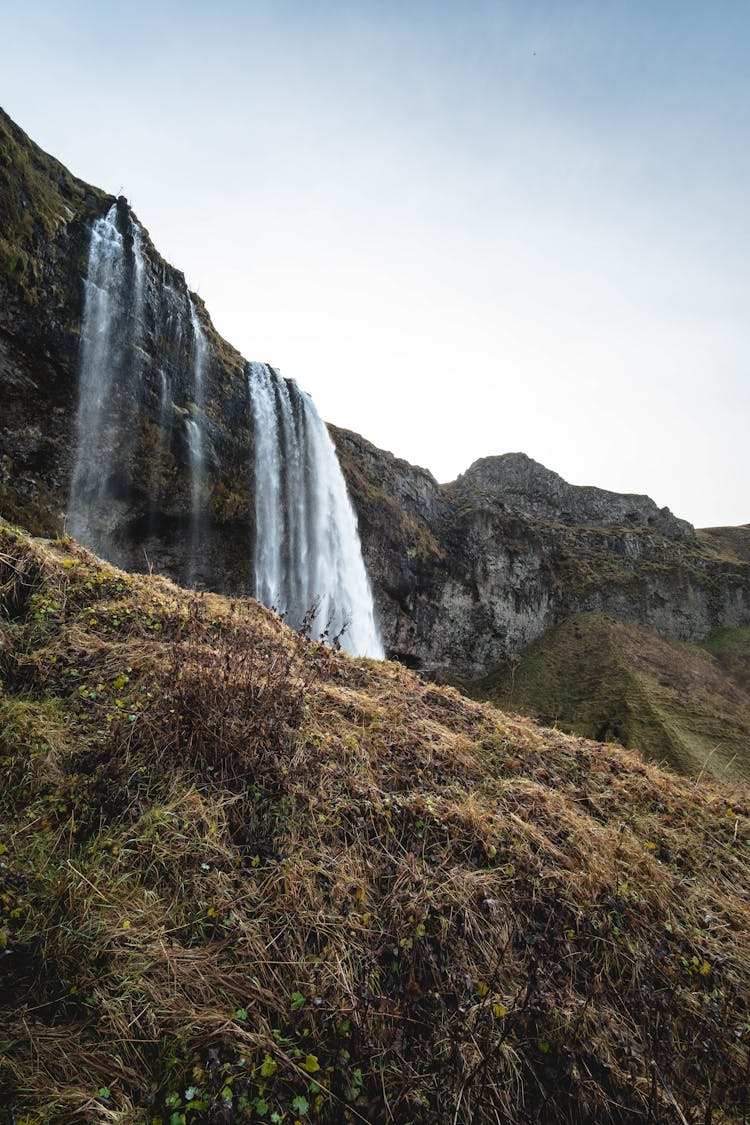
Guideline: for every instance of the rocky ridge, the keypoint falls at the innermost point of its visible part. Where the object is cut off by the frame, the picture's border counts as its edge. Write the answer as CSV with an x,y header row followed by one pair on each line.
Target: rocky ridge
x,y
474,571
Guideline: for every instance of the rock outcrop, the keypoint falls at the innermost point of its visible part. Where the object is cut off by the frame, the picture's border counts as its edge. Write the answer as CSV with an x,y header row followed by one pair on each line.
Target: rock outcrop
x,y
46,216
471,572
521,485
464,574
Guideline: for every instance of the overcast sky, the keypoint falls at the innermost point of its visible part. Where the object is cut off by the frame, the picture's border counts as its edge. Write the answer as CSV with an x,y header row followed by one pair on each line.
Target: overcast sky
x,y
464,227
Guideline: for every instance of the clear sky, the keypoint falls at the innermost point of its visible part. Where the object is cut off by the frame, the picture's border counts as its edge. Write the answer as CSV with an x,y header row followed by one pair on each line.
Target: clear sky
x,y
464,227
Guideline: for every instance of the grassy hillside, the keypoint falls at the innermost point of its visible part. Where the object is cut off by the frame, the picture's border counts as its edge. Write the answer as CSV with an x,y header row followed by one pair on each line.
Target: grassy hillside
x,y
244,878
731,648
685,705
729,542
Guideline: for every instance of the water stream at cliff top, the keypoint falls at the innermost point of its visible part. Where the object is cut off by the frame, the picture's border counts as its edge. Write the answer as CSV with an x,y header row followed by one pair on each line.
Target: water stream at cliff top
x,y
307,551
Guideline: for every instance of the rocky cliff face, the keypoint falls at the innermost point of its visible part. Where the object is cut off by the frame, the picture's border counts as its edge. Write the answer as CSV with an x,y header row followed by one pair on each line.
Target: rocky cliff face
x,y
518,484
44,220
472,572
464,574
46,217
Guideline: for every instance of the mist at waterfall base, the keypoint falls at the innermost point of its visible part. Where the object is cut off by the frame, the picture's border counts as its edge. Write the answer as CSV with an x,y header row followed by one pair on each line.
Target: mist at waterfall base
x,y
306,560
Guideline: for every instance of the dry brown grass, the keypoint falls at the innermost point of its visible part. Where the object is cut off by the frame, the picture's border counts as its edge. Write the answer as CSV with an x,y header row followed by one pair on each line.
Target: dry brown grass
x,y
247,878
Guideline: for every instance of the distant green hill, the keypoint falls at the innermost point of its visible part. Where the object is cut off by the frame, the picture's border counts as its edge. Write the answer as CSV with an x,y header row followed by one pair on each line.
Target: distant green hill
x,y
686,705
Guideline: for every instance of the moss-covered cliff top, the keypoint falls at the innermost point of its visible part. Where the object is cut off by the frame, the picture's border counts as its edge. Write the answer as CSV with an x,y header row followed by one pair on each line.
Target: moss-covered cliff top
x,y
732,543
245,878
37,192
39,197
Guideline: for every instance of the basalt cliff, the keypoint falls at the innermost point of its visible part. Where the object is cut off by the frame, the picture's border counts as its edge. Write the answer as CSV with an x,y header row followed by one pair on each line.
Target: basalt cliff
x,y
466,576
472,572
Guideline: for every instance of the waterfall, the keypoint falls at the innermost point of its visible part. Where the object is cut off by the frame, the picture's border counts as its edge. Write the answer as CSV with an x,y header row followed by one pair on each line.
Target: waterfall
x,y
160,448
307,551
165,401
109,383
140,337
196,443
144,362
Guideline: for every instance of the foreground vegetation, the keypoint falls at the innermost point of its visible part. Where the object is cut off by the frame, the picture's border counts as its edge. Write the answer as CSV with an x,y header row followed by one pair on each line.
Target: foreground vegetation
x,y
246,878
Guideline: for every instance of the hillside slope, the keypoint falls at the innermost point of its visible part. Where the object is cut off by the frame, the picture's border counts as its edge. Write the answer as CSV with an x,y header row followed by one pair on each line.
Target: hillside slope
x,y
685,705
246,878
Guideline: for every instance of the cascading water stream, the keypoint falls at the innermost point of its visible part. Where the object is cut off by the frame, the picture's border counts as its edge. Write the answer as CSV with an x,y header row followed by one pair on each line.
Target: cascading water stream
x,y
307,551
165,402
196,442
109,383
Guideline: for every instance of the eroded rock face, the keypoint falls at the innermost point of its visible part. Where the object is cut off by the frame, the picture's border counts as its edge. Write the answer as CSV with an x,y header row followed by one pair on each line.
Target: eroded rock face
x,y
527,488
46,216
464,574
478,569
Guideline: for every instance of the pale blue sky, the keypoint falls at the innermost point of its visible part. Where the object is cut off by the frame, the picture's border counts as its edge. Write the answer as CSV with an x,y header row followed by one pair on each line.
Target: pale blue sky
x,y
465,228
